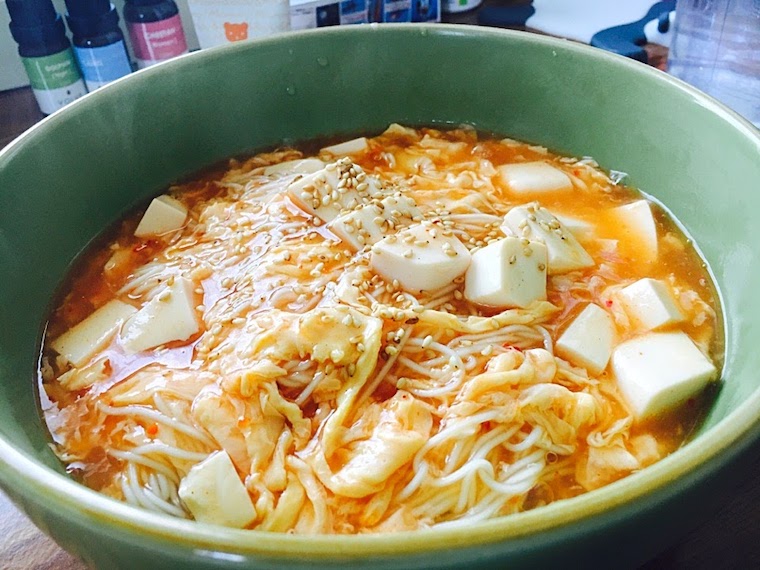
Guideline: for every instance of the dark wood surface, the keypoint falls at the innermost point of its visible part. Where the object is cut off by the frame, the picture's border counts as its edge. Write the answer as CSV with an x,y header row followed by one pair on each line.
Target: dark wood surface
x,y
729,539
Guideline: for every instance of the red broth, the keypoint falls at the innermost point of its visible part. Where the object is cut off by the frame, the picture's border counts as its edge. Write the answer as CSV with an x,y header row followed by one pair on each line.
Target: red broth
x,y
333,398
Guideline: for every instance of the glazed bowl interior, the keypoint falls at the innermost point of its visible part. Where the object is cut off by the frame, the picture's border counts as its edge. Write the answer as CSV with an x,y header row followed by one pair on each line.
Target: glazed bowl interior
x,y
68,178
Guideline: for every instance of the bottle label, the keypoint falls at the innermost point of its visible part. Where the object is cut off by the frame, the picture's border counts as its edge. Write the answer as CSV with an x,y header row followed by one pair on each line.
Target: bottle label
x,y
154,42
52,71
102,65
50,100
55,80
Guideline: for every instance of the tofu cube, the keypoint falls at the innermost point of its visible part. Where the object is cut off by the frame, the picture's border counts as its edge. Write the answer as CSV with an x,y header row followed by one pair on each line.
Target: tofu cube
x,y
82,341
369,223
536,223
587,342
581,229
657,372
650,304
420,257
637,224
300,166
167,317
213,493
533,177
164,215
507,273
323,194
353,146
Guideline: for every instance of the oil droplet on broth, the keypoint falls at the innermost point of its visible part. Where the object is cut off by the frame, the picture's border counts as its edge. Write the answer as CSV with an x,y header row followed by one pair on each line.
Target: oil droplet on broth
x,y
290,90
323,61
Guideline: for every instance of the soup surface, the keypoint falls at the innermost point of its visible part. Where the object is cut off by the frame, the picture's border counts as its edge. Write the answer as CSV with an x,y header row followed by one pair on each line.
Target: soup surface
x,y
419,329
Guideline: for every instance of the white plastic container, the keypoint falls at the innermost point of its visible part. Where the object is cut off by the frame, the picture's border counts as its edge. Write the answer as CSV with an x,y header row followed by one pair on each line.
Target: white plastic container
x,y
716,48
218,22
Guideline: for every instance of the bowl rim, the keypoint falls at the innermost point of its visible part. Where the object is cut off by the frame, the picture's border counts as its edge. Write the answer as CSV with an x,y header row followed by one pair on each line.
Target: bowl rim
x,y
24,477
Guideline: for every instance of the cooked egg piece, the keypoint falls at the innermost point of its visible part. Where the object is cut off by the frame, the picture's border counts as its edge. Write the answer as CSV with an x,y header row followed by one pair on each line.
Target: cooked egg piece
x,y
420,258
213,493
80,378
657,372
165,214
650,304
169,316
533,177
587,342
509,272
82,341
534,222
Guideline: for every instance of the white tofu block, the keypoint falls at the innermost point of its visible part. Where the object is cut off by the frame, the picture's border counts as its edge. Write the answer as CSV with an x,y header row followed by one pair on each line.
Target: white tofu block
x,y
587,342
650,304
636,222
507,273
82,341
213,493
659,371
300,166
581,229
320,194
353,146
167,317
420,257
531,177
536,223
369,223
164,215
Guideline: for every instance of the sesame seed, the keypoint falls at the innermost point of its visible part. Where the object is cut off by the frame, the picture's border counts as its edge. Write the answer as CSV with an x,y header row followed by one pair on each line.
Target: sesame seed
x,y
427,341
408,253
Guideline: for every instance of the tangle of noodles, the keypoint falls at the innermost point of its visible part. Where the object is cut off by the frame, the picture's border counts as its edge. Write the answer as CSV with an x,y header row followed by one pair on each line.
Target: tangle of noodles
x,y
346,403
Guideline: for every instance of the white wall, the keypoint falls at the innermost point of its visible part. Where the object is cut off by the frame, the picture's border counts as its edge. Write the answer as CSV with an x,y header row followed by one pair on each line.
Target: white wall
x,y
12,73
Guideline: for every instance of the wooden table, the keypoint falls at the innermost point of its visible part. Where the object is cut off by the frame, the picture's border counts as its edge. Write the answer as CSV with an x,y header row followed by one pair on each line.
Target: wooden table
x,y
730,539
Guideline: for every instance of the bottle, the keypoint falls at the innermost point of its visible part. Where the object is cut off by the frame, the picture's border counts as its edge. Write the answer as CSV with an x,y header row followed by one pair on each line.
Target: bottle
x,y
98,42
716,48
155,29
46,53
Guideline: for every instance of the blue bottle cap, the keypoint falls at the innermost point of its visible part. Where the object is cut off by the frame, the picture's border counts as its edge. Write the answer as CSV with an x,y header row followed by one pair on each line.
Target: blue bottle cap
x,y
90,18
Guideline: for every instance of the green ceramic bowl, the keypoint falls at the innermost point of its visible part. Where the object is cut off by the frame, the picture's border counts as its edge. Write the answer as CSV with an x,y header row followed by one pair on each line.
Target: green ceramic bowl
x,y
71,176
